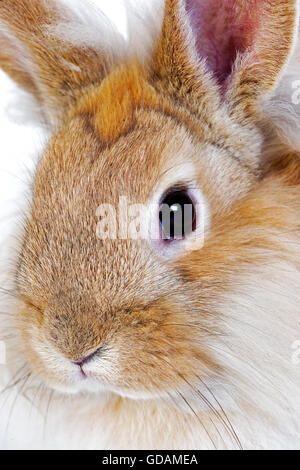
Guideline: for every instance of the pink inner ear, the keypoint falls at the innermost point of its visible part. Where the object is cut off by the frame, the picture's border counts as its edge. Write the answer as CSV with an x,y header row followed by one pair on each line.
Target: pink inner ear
x,y
224,28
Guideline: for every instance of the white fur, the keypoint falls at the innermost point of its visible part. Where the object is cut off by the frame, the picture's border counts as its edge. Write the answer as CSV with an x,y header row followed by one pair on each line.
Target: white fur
x,y
261,323
89,23
144,25
283,109
259,392
86,24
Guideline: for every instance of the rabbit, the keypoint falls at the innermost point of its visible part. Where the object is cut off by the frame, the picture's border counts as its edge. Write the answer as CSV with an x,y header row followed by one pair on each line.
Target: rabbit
x,y
158,342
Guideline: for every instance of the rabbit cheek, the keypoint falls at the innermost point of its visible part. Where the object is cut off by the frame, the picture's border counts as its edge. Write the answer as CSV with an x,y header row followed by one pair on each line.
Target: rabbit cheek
x,y
30,329
150,351
159,350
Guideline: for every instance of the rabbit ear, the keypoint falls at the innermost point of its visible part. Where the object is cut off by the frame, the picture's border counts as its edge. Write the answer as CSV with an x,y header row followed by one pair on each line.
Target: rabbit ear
x,y
54,48
242,46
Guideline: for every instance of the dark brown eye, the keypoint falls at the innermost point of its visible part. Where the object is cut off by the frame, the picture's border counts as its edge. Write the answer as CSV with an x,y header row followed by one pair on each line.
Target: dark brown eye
x,y
177,215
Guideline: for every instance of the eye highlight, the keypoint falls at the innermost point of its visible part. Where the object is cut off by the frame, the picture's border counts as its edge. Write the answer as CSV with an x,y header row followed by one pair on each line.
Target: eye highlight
x,y
177,215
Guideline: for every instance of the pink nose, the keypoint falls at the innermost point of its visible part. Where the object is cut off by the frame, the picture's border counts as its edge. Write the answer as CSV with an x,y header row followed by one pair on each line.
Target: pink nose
x,y
85,360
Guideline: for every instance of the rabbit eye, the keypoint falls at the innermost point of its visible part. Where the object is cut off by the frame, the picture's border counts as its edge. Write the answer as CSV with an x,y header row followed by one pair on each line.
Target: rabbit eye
x,y
177,215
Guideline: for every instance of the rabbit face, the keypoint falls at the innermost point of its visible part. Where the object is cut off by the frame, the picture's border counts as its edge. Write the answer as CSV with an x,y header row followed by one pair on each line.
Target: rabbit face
x,y
124,299
139,316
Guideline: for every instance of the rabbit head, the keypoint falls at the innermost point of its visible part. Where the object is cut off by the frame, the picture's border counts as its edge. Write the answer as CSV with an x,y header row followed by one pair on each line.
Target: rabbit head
x,y
139,315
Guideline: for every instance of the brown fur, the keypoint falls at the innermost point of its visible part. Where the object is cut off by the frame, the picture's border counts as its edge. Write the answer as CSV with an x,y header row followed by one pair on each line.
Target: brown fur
x,y
119,134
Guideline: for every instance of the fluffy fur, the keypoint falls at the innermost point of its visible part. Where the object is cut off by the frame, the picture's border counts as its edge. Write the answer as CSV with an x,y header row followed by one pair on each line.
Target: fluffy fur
x,y
196,346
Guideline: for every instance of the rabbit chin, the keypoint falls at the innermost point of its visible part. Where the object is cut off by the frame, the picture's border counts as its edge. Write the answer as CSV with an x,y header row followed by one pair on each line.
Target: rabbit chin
x,y
70,380
60,375
77,385
103,376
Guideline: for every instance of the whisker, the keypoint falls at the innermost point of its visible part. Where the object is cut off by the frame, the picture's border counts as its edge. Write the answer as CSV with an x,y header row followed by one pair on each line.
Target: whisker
x,y
51,394
234,434
188,404
197,417
17,395
14,381
207,402
177,405
33,400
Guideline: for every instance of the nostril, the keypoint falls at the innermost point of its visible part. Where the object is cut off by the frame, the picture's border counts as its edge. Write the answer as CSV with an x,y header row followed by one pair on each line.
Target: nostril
x,y
85,360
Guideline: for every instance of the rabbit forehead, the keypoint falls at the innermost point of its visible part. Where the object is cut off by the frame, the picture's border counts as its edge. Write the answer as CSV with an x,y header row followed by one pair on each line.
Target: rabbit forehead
x,y
77,162
79,171
116,107
112,107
